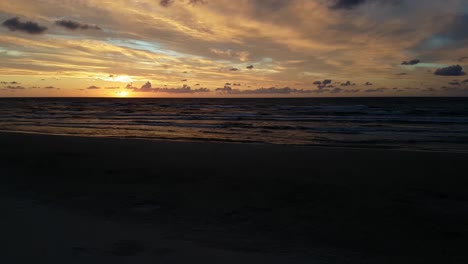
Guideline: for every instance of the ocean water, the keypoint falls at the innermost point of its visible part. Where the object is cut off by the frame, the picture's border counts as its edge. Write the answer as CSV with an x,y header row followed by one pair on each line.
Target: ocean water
x,y
435,124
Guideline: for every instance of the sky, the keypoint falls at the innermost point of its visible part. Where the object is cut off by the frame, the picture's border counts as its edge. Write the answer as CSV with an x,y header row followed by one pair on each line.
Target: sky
x,y
227,48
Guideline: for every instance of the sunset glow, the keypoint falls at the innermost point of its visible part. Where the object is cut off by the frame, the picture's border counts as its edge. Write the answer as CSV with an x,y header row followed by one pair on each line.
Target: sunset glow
x,y
246,48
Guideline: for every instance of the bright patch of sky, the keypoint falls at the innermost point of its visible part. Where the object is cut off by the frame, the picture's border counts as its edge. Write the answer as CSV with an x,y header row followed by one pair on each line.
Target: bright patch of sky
x,y
437,42
146,46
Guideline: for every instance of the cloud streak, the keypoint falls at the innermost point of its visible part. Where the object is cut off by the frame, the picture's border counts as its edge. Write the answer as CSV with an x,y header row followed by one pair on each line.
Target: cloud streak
x,y
72,25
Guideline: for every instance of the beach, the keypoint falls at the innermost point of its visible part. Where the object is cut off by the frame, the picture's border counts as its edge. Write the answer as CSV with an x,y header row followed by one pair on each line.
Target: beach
x,y
97,200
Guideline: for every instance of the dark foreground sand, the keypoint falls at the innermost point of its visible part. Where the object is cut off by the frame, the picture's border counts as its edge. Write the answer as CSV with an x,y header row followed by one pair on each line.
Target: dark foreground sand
x,y
93,200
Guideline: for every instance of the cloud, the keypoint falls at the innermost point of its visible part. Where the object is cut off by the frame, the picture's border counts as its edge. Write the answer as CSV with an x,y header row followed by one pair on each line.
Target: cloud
x,y
462,59
14,24
15,87
323,84
194,2
351,4
336,90
165,3
130,86
250,67
72,25
348,83
147,87
240,55
455,70
273,91
377,90
226,89
185,89
465,81
368,84
93,87
347,4
234,69
182,90
411,62
49,87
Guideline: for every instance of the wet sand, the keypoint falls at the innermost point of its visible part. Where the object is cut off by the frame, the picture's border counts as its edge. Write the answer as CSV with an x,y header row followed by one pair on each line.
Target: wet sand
x,y
98,200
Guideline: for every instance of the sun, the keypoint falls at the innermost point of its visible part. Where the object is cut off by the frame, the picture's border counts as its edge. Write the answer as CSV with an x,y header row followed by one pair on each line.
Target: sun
x,y
122,94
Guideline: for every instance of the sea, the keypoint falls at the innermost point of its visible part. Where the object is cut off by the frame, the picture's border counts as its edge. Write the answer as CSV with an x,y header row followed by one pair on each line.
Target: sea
x,y
424,124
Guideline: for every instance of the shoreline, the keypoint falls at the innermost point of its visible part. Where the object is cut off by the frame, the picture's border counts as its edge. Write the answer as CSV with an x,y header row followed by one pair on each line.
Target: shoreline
x,y
363,205
224,141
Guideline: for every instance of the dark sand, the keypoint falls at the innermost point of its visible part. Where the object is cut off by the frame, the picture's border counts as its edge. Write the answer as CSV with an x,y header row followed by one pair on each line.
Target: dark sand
x,y
96,200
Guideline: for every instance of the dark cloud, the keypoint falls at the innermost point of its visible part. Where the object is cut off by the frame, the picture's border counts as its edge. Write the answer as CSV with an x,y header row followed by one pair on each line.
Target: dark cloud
x,y
250,67
352,91
411,62
278,91
462,59
429,90
112,88
327,81
194,2
454,89
348,83
368,84
166,3
182,90
351,4
227,84
455,70
72,25
49,87
347,4
317,83
465,81
336,90
15,87
378,90
93,87
14,24
454,83
226,89
130,86
402,74
147,87
234,69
